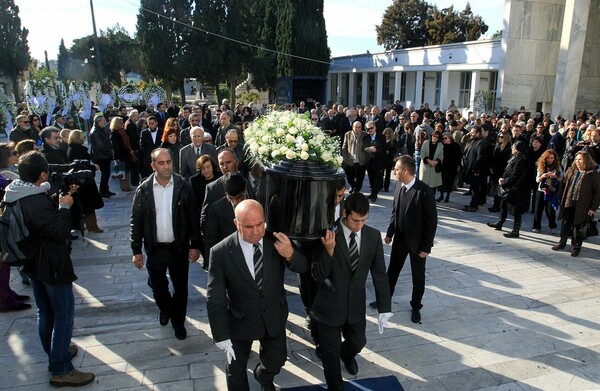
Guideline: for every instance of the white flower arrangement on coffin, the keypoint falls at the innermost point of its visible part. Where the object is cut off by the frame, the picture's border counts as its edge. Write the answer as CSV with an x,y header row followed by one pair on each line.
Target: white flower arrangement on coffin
x,y
284,135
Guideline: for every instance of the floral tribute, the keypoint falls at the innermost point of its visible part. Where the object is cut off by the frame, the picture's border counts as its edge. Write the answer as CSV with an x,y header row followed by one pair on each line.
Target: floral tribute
x,y
41,95
284,135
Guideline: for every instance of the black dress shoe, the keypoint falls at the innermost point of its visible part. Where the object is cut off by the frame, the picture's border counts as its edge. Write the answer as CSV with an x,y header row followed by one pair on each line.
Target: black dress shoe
x,y
468,208
351,366
440,198
495,225
415,317
164,318
558,246
373,304
18,307
512,235
105,195
263,386
180,333
575,252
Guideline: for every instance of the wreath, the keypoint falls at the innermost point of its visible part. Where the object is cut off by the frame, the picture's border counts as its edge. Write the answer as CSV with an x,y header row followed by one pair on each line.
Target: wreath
x,y
129,95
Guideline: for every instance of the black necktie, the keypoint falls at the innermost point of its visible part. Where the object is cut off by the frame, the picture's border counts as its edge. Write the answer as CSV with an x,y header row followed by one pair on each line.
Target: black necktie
x,y
197,152
353,252
258,266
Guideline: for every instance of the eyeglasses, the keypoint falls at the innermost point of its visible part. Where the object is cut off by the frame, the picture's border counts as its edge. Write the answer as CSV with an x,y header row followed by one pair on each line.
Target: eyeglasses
x,y
371,128
36,119
25,122
500,137
434,137
14,153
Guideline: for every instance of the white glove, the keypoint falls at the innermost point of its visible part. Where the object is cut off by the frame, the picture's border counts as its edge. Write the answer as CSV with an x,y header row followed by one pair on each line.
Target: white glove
x,y
383,321
227,347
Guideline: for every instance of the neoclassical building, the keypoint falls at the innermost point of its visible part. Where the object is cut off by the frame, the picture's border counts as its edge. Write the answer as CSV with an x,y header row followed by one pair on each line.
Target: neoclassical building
x,y
547,59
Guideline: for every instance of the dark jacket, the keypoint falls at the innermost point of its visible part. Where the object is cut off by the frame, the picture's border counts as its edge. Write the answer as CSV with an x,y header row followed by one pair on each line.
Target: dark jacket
x,y
17,135
88,193
341,295
53,155
516,176
589,195
477,160
452,160
48,246
186,218
100,144
499,160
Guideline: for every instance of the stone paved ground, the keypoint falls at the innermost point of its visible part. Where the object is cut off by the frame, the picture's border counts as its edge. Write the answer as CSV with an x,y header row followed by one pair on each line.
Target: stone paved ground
x,y
499,315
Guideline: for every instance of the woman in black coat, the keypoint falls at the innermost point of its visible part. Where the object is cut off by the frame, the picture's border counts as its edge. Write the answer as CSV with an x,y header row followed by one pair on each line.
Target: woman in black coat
x,y
88,193
451,165
515,189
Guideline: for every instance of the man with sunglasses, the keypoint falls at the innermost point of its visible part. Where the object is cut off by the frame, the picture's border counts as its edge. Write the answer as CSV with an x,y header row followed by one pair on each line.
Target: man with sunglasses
x,y
23,130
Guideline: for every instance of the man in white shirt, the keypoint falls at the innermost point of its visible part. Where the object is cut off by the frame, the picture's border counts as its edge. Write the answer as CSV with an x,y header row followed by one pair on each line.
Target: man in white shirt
x,y
165,221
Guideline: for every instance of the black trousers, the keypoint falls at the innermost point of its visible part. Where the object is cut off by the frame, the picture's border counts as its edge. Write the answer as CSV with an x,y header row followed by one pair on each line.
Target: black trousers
x,y
169,258
568,228
104,165
308,291
417,266
355,175
333,349
272,353
375,178
478,190
542,206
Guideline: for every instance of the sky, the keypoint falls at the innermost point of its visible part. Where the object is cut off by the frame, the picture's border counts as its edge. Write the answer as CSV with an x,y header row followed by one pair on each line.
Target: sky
x,y
350,23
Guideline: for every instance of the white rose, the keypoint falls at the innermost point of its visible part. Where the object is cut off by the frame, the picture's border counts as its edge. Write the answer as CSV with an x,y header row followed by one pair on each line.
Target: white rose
x,y
320,138
290,154
289,138
303,155
283,150
304,147
254,147
326,156
292,130
263,150
275,153
265,138
279,132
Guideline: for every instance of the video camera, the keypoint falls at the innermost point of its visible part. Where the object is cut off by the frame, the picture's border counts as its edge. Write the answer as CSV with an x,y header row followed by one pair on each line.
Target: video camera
x,y
79,172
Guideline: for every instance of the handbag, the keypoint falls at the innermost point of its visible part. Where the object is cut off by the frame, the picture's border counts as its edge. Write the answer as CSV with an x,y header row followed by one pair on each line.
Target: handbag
x,y
591,227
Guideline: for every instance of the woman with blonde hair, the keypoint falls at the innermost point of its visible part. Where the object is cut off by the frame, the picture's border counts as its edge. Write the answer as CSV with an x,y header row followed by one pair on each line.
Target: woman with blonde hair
x,y
580,198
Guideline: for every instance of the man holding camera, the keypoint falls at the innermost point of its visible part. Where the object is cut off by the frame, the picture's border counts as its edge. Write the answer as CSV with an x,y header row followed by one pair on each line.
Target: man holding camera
x,y
48,264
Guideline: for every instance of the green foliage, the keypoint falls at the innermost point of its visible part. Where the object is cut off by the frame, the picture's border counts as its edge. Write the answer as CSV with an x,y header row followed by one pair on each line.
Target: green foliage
x,y
248,96
37,74
497,34
165,44
410,23
486,101
223,92
118,50
14,48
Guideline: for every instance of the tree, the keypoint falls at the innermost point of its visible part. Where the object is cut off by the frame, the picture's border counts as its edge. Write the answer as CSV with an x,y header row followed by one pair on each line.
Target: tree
x,y
14,51
410,23
62,60
403,25
118,51
164,38
310,39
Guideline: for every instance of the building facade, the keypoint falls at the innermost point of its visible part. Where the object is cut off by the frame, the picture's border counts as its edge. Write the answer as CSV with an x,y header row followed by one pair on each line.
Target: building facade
x,y
548,59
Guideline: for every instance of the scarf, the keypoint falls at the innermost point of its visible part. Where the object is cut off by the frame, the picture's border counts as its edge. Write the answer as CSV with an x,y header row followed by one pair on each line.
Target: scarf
x,y
574,188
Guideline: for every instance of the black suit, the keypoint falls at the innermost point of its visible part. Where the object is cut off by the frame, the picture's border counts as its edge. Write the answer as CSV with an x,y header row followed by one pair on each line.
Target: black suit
x,y
412,225
220,220
146,147
238,310
339,307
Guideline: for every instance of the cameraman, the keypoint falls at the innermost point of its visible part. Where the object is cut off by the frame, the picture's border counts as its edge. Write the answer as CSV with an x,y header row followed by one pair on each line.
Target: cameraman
x,y
49,265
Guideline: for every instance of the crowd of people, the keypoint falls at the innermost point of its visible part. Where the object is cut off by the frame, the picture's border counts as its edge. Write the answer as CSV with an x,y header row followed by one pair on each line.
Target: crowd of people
x,y
195,200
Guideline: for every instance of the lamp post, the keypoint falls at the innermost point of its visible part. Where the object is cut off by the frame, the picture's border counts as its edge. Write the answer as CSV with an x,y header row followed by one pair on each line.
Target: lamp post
x,y
96,46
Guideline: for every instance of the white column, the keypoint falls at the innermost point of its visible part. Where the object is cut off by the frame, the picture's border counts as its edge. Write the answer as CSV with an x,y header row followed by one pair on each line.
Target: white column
x,y
566,87
474,88
351,89
365,89
379,89
418,90
444,102
397,84
340,93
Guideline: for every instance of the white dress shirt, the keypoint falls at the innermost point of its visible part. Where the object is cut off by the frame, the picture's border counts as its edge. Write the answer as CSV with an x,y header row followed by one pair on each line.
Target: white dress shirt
x,y
347,233
163,205
248,250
